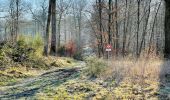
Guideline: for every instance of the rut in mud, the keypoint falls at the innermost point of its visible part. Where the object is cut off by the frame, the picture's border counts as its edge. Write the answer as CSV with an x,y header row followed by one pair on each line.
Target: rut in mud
x,y
29,87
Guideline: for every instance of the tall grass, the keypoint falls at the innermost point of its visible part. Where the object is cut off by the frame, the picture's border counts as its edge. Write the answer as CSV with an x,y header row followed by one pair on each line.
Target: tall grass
x,y
137,78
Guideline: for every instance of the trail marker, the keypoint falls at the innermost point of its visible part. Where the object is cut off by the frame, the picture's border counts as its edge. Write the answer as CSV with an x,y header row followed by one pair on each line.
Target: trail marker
x,y
108,47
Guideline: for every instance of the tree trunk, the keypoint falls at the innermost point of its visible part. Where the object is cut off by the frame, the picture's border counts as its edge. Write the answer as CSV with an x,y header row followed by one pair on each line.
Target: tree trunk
x,y
129,26
53,50
100,29
79,30
46,47
138,28
145,28
59,29
12,15
17,19
65,29
167,29
116,27
152,32
109,22
125,30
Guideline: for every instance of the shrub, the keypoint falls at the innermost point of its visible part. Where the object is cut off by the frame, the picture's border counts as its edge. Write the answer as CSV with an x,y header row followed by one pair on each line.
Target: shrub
x,y
37,44
61,51
78,56
70,48
37,64
5,55
95,66
23,52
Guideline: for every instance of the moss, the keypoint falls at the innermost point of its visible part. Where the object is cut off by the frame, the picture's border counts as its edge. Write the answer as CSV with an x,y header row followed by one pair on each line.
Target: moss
x,y
78,90
6,79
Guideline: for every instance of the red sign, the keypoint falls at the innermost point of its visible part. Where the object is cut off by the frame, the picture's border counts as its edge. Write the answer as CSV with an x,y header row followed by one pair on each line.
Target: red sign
x,y
108,47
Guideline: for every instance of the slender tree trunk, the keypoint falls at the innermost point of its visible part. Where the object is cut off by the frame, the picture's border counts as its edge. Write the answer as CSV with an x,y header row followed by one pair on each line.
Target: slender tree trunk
x,y
152,32
12,31
79,30
129,26
138,28
109,22
47,37
167,29
17,19
145,28
59,30
157,38
6,35
75,25
65,29
53,50
100,29
116,27
125,31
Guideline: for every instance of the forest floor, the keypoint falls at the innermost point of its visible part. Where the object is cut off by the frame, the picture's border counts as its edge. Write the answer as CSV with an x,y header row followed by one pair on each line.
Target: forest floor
x,y
29,87
70,83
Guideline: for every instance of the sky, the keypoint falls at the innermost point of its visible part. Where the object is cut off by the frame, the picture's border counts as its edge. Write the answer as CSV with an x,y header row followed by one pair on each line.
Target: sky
x,y
4,4
35,4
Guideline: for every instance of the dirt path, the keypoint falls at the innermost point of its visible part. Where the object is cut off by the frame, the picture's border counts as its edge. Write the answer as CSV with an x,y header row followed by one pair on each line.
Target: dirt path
x,y
29,87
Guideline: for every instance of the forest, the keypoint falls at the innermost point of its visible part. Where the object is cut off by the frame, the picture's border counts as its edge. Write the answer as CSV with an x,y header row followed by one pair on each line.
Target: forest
x,y
84,49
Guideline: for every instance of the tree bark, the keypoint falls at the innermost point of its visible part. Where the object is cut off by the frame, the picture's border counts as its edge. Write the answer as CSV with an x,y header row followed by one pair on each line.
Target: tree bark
x,y
145,28
59,29
53,50
79,32
167,29
152,32
125,29
100,29
109,22
47,40
65,29
17,19
116,27
138,28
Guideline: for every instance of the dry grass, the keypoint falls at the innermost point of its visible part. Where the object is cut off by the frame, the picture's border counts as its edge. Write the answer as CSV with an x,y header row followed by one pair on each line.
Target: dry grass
x,y
137,79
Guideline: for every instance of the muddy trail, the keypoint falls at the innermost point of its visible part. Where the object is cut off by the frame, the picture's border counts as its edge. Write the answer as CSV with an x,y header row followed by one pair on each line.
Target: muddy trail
x,y
28,88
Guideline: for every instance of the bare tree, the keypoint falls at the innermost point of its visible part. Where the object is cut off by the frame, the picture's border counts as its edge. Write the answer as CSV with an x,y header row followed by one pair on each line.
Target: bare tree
x,y
62,8
138,28
100,28
53,49
147,12
153,26
47,38
116,27
125,28
17,18
109,22
40,16
167,29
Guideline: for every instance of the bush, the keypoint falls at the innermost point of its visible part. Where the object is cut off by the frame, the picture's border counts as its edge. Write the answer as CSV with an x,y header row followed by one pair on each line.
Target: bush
x,y
37,44
23,52
37,64
70,48
95,66
61,51
5,55
78,56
